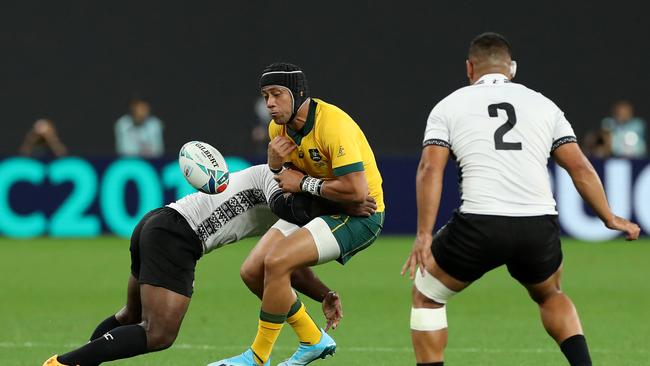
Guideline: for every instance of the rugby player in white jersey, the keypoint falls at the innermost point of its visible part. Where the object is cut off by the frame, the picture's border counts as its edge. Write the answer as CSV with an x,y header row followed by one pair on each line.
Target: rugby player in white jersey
x,y
501,135
168,241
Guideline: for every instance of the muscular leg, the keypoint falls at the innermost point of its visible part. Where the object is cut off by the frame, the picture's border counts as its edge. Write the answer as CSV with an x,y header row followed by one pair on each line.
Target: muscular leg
x,y
252,270
162,313
429,345
296,251
302,279
129,314
132,312
560,318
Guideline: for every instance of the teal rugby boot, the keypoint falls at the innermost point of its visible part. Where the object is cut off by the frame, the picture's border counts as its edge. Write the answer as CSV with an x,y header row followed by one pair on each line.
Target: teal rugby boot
x,y
245,359
307,354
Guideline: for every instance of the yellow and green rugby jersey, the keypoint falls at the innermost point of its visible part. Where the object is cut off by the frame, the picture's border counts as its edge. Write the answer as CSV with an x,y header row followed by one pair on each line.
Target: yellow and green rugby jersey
x,y
331,144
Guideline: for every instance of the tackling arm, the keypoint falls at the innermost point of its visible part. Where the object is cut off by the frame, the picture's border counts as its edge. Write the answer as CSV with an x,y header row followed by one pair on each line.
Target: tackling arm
x,y
586,180
300,208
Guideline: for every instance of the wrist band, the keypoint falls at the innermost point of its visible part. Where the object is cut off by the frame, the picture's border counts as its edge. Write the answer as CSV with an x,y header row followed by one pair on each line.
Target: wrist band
x,y
311,185
275,170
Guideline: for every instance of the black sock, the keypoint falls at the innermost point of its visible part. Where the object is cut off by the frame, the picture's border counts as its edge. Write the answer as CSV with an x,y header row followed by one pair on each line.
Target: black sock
x,y
575,350
104,327
431,364
122,342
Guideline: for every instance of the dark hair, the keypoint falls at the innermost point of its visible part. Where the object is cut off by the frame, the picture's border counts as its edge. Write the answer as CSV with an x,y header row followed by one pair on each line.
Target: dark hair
x,y
489,44
136,98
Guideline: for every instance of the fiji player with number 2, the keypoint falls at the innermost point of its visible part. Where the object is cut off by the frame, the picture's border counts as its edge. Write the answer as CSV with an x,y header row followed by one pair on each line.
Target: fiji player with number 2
x,y
501,134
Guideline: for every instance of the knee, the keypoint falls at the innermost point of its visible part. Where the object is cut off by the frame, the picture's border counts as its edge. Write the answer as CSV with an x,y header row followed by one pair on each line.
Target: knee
x,y
276,263
159,337
128,316
251,274
421,301
541,297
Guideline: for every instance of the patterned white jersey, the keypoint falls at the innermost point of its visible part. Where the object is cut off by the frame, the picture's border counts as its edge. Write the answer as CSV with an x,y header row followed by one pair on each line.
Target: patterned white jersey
x,y
501,135
240,211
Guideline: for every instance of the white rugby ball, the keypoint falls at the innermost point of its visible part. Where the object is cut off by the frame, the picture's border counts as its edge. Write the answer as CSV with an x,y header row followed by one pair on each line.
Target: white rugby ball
x,y
204,167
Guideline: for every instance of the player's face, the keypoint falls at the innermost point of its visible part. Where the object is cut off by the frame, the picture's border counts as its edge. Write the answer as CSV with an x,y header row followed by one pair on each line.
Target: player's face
x,y
279,103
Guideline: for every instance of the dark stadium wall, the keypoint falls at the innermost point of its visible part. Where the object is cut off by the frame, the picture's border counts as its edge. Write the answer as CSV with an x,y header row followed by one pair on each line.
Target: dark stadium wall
x,y
385,63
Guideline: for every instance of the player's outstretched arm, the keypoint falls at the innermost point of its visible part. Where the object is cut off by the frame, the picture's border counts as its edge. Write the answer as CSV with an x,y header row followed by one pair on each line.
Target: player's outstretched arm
x,y
428,190
586,180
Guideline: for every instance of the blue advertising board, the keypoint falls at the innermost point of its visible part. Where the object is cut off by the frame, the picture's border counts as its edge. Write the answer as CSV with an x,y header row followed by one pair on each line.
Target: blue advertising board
x,y
81,197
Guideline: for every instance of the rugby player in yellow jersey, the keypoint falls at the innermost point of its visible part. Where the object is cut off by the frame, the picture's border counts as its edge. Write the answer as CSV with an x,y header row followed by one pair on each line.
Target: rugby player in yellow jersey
x,y
328,156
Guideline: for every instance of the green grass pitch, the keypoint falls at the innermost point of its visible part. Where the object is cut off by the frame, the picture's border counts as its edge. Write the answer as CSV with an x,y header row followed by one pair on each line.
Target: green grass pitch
x,y
54,292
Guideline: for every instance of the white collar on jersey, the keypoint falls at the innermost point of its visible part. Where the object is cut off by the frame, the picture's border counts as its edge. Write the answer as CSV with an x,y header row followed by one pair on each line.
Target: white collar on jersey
x,y
492,79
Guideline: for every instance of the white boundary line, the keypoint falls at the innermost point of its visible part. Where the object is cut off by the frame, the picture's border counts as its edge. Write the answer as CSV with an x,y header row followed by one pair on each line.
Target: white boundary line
x,y
351,349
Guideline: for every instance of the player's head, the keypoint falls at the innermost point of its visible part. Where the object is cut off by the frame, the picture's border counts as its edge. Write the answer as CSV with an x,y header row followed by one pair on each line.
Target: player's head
x,y
488,53
284,86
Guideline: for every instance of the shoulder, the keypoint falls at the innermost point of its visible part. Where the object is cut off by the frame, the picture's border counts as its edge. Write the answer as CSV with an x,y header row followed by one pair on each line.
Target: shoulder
x,y
330,110
608,123
638,122
456,98
154,121
124,121
539,99
331,116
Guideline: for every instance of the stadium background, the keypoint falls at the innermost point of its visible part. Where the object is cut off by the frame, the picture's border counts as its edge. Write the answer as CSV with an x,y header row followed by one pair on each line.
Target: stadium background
x,y
386,64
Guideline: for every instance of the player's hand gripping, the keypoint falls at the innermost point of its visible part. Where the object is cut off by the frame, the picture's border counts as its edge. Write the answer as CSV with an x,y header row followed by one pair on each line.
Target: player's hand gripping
x,y
365,209
289,180
279,149
332,310
630,229
419,255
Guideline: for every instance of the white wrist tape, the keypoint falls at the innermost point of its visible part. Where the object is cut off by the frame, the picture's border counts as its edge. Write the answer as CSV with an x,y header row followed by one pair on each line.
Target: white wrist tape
x,y
311,185
428,320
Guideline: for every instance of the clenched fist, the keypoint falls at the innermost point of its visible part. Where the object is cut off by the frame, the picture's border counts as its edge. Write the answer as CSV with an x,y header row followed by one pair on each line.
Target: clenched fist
x,y
279,149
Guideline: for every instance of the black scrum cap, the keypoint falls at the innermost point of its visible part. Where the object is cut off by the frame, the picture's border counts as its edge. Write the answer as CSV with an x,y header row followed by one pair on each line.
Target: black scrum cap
x,y
290,77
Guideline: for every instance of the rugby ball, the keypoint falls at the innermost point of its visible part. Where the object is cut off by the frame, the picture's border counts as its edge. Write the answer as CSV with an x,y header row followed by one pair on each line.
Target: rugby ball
x,y
203,167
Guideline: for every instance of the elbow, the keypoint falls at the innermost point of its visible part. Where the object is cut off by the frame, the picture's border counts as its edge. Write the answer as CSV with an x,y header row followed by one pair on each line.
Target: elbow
x,y
581,171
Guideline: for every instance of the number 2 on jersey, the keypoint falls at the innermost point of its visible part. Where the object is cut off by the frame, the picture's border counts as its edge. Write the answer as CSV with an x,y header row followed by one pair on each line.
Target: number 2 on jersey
x,y
499,144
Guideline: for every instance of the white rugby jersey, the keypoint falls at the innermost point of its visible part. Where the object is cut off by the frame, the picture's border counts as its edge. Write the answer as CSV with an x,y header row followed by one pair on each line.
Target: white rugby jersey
x,y
501,134
240,211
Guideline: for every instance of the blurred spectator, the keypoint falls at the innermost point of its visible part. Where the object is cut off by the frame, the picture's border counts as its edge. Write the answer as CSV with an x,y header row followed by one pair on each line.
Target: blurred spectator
x,y
627,132
42,140
139,133
260,132
597,144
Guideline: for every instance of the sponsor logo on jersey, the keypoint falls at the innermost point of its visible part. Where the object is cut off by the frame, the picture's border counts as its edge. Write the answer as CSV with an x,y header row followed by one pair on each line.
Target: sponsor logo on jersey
x,y
341,152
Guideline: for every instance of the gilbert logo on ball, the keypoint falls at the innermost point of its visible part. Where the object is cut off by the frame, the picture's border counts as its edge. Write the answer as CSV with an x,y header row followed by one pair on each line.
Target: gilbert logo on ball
x,y
203,167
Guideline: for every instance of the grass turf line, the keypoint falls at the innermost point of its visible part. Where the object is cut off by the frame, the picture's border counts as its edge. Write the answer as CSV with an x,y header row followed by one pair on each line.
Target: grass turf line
x,y
55,291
